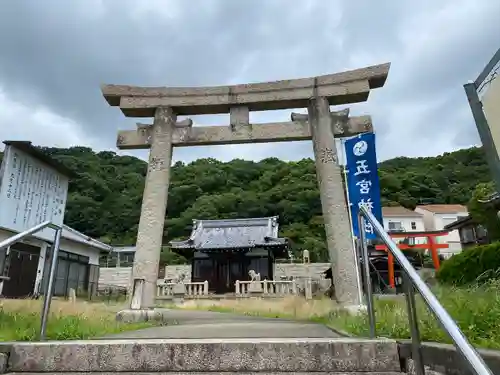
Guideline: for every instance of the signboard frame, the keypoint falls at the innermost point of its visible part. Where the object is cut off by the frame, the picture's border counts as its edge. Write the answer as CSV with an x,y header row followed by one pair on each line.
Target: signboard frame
x,y
33,189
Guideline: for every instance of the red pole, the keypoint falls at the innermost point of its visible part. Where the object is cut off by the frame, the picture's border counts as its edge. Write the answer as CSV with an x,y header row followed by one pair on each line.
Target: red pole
x,y
434,251
390,268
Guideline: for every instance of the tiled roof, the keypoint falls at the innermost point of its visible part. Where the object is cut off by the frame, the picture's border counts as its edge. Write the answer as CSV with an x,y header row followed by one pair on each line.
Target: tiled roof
x,y
444,208
74,235
399,211
232,234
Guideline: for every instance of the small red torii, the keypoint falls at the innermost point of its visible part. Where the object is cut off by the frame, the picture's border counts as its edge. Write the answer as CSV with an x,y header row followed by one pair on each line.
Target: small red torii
x,y
431,244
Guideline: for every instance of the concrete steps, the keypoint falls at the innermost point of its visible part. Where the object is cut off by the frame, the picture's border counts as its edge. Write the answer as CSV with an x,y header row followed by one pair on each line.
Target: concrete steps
x,y
200,356
211,373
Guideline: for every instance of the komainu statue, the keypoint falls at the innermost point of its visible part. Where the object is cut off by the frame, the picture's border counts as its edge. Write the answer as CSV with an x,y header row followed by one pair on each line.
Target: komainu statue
x,y
254,276
180,279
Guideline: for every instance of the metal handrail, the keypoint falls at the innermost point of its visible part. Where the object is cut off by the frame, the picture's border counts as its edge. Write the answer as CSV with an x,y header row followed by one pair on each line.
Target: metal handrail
x,y
50,284
413,281
28,232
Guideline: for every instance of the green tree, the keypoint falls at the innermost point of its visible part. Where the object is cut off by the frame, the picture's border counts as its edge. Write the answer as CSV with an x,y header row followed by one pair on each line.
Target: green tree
x,y
105,197
484,213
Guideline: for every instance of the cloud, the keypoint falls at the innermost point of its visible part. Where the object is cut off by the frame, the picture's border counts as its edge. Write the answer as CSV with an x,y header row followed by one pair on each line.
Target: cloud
x,y
52,129
55,55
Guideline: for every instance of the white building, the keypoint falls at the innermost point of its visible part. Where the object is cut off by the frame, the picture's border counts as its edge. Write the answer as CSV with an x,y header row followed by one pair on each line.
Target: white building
x,y
437,216
122,256
25,265
400,219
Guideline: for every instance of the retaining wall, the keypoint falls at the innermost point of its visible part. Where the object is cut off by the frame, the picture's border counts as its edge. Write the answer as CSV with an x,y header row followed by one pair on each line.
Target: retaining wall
x,y
120,276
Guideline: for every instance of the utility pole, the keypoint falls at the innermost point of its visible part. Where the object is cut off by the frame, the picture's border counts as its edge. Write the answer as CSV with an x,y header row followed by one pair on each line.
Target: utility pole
x,y
486,130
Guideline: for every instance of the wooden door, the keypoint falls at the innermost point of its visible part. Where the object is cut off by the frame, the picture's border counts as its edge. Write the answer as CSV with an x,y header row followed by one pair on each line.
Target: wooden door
x,y
22,273
221,275
238,270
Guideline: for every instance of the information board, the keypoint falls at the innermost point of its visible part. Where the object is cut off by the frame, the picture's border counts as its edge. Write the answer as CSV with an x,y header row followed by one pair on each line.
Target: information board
x,y
31,192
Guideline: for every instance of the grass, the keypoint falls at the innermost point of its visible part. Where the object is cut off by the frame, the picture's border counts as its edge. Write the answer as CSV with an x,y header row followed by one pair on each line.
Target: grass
x,y
20,320
476,309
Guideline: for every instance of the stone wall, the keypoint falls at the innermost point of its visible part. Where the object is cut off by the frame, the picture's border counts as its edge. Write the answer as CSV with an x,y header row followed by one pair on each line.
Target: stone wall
x,y
120,276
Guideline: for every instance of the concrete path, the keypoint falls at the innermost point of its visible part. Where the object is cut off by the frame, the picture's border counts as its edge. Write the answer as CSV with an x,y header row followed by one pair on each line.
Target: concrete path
x,y
189,324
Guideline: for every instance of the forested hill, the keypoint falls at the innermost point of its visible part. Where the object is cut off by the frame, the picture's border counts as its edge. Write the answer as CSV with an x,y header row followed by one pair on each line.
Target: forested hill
x,y
105,199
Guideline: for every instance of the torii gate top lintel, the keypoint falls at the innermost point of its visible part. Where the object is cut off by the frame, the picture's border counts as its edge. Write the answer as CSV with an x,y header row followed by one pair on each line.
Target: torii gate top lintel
x,y
340,88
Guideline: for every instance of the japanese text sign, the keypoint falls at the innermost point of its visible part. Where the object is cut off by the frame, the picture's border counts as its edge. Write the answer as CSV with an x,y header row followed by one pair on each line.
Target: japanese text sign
x,y
31,192
363,184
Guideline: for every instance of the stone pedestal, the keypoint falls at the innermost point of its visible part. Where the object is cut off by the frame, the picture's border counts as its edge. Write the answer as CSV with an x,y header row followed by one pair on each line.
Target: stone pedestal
x,y
255,287
333,202
154,205
308,288
179,293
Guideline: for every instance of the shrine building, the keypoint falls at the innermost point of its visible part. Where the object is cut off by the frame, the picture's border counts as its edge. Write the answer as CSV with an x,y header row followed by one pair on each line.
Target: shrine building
x,y
223,251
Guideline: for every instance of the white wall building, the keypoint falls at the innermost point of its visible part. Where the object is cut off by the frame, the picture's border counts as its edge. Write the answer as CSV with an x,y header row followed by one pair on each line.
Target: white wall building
x,y
437,216
400,219
26,264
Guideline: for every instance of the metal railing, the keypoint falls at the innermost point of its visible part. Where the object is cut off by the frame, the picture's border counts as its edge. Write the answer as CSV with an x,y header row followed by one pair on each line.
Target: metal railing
x,y
50,285
412,281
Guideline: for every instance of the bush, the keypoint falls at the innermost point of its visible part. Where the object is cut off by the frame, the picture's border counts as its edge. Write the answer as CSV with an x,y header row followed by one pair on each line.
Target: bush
x,y
478,264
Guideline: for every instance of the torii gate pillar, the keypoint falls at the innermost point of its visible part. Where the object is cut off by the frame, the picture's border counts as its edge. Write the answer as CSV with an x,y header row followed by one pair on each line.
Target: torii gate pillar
x,y
154,206
333,202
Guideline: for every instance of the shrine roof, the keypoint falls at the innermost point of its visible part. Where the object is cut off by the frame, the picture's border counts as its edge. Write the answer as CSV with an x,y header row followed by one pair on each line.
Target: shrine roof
x,y
232,234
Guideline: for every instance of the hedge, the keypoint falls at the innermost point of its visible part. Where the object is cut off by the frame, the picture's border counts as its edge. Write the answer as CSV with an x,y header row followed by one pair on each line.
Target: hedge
x,y
474,265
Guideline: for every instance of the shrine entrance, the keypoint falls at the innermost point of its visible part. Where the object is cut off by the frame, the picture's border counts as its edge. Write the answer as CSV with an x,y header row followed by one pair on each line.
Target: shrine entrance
x,y
222,270
227,269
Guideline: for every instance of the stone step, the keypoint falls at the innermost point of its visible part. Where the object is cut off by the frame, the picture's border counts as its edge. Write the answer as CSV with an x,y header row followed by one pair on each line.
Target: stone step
x,y
299,355
210,373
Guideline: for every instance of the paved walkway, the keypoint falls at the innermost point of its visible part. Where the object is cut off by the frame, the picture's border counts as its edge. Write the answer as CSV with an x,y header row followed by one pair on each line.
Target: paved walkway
x,y
189,324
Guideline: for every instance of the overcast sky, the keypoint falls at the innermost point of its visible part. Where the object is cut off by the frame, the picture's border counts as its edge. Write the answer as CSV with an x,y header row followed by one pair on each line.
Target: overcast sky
x,y
55,54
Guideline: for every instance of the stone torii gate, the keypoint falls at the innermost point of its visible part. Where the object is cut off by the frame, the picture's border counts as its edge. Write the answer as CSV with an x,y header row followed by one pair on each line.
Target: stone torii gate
x,y
319,125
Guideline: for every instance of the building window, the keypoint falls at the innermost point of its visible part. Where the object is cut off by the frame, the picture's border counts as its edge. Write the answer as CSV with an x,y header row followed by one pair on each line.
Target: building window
x,y
108,260
395,226
413,225
126,259
117,259
467,235
72,272
104,260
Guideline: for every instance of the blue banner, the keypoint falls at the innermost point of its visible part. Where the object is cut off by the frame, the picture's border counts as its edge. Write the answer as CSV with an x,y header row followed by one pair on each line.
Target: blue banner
x,y
363,186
